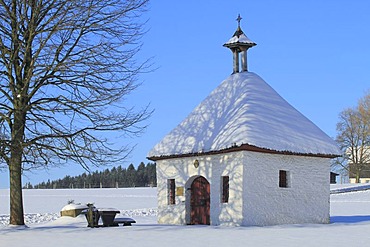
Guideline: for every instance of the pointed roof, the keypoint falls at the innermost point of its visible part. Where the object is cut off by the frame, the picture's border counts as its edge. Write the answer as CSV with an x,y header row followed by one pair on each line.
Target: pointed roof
x,y
239,39
244,112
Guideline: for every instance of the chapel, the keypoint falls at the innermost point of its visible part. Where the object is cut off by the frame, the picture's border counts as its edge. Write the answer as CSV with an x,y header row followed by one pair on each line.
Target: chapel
x,y
244,156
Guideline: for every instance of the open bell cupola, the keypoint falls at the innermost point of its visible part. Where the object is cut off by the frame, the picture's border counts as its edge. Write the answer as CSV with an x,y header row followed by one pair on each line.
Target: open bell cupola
x,y
239,43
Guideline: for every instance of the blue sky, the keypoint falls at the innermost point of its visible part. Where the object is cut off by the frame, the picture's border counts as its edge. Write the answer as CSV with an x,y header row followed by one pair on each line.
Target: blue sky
x,y
315,54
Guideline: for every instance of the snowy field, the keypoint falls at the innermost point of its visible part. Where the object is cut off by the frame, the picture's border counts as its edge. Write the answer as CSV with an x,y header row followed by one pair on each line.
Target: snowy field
x,y
350,217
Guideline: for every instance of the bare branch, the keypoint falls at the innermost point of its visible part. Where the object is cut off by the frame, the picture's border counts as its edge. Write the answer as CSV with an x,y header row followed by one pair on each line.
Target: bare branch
x,y
65,70
353,137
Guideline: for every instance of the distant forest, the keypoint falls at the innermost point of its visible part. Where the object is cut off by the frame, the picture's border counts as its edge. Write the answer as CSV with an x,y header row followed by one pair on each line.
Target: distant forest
x,y
117,177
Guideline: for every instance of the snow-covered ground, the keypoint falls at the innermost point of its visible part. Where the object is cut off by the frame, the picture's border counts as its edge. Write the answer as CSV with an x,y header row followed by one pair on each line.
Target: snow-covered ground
x,y
45,205
350,217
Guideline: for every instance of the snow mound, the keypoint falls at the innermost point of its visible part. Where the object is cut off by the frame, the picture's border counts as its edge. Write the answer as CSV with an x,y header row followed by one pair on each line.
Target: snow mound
x,y
31,218
354,188
244,109
140,212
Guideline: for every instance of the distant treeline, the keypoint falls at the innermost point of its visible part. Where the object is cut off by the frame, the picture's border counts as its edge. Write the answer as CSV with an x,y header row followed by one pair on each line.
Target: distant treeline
x,y
117,177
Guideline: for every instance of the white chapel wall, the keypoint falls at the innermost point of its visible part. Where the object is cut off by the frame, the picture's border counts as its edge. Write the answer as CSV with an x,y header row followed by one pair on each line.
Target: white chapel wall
x,y
170,214
230,213
306,200
256,200
181,170
212,168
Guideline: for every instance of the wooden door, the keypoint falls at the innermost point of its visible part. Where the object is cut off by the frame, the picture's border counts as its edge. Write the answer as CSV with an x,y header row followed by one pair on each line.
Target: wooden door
x,y
200,202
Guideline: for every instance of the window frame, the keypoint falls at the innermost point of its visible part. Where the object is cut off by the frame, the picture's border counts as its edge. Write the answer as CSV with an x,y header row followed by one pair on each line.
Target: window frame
x,y
171,191
284,179
225,189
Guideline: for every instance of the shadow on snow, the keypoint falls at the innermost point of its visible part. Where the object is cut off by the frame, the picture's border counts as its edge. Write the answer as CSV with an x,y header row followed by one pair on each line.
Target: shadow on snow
x,y
349,219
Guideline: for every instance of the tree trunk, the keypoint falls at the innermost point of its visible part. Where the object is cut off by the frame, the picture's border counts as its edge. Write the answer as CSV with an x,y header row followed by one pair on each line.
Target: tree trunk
x,y
358,176
16,201
87,62
15,166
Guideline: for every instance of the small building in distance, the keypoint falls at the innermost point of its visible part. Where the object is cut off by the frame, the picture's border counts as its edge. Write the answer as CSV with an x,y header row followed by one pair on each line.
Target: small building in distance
x,y
358,158
244,156
362,172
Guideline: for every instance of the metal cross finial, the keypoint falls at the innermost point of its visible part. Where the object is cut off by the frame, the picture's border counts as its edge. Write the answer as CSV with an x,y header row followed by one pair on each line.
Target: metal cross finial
x,y
239,19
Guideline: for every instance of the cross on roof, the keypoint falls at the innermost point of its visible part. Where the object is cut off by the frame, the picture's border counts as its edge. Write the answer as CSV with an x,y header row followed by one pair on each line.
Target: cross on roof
x,y
238,20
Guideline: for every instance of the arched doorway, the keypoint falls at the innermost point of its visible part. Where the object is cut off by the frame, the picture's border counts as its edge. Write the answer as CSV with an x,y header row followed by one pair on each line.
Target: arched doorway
x,y
200,202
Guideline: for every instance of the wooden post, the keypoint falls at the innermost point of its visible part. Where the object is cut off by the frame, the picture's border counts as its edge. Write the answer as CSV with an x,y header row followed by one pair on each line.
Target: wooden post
x,y
92,216
236,61
244,61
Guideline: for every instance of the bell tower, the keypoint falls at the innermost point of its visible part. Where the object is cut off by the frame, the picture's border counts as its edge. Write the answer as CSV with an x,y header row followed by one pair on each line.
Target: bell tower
x,y
239,44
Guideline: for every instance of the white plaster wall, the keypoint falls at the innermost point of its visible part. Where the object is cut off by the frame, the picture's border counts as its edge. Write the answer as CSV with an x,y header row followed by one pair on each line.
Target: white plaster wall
x,y
230,213
181,170
170,214
212,168
257,200
305,201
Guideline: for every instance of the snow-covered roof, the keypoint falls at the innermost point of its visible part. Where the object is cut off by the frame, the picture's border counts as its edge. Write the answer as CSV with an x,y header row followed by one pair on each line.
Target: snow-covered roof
x,y
244,109
73,206
242,39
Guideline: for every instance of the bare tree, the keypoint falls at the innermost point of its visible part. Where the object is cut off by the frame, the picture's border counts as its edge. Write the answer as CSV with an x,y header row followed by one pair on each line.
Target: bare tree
x,y
354,139
65,67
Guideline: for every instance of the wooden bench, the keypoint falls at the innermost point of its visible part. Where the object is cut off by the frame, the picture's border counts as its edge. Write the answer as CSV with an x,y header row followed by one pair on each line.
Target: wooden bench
x,y
124,221
108,217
